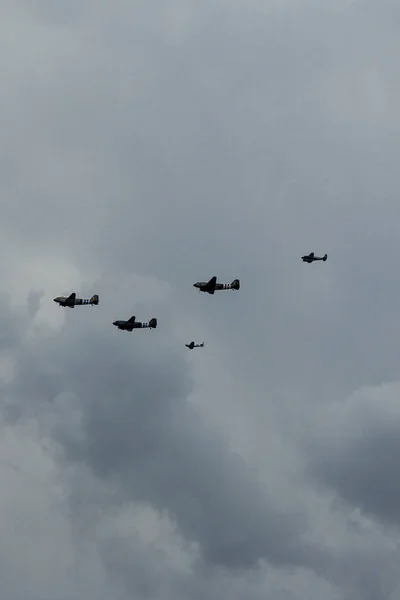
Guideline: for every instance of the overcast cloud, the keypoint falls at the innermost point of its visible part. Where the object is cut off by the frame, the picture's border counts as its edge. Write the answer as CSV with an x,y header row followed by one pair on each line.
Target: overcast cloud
x,y
148,145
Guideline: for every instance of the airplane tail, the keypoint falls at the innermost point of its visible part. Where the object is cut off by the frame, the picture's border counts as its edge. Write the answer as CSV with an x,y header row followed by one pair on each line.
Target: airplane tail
x,y
324,257
153,323
202,345
94,299
235,285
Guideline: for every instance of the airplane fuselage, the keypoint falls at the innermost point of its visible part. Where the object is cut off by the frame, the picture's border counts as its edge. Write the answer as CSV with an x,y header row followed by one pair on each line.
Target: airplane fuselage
x,y
311,259
129,326
202,285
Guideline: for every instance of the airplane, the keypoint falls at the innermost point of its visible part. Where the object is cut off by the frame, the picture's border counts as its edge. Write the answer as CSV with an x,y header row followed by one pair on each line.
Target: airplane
x,y
211,286
133,324
72,301
311,258
193,345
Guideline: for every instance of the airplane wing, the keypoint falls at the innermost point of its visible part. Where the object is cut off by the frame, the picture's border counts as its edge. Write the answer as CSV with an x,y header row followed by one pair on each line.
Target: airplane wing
x,y
311,255
72,296
131,320
210,286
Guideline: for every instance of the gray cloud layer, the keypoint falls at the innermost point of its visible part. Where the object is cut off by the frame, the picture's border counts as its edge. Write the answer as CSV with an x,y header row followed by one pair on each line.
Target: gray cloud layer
x,y
147,146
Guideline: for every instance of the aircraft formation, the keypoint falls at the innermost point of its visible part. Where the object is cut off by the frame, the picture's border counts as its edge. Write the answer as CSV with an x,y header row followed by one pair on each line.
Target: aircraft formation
x,y
209,287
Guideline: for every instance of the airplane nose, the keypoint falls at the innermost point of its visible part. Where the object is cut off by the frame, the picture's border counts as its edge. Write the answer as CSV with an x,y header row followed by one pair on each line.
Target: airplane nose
x,y
54,299
114,322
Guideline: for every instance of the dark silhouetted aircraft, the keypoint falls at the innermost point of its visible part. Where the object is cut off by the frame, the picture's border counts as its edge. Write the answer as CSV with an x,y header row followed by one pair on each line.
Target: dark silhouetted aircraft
x,y
133,324
311,258
193,345
73,301
211,286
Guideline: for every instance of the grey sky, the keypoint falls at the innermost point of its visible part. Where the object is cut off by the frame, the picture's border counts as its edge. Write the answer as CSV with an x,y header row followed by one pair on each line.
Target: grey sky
x,y
148,145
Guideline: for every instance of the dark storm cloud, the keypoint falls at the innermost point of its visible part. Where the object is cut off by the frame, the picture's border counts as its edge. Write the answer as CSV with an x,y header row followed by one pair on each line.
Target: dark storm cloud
x,y
359,453
139,432
135,439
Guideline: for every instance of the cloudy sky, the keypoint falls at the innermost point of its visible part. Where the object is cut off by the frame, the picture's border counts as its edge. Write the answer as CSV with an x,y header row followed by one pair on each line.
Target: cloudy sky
x,y
148,145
